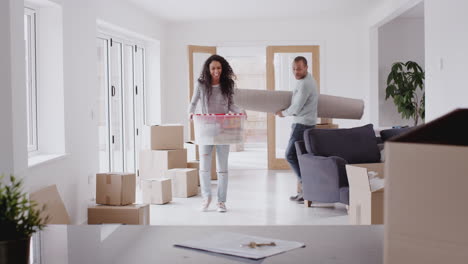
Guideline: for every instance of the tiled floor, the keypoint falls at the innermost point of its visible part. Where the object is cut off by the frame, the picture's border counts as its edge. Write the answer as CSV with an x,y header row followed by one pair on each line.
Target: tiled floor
x,y
256,196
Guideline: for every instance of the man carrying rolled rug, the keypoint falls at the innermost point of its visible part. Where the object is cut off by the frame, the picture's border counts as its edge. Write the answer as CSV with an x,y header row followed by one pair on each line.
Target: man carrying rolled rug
x,y
303,108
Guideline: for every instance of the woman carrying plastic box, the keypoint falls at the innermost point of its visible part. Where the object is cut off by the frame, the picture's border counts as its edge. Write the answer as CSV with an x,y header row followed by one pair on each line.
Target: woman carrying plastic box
x,y
214,92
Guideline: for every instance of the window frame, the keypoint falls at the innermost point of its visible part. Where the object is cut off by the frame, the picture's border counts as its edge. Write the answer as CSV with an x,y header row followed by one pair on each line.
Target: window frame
x,y
30,28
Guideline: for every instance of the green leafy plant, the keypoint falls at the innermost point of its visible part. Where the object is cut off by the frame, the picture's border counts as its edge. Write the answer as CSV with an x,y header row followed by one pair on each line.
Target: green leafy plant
x,y
19,217
402,83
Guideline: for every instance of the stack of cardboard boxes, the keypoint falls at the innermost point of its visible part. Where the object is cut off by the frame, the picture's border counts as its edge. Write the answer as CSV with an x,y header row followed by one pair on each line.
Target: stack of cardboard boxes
x,y
163,168
115,194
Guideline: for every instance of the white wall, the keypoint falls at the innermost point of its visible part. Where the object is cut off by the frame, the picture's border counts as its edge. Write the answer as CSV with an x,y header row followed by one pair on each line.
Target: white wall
x,y
71,171
400,40
124,18
344,56
6,45
446,56
50,104
384,12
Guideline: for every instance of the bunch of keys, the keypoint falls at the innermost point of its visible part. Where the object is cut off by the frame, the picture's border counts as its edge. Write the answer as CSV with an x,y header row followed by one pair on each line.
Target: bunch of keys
x,y
255,245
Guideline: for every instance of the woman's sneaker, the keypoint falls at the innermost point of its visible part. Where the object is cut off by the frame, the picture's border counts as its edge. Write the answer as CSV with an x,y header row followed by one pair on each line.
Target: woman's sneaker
x,y
222,207
205,204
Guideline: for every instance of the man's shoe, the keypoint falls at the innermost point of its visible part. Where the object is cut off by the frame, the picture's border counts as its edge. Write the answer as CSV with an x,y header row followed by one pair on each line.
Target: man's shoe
x,y
294,198
300,200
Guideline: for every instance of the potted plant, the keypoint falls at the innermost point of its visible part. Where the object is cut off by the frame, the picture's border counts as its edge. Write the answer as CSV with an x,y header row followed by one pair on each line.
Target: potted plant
x,y
402,83
19,219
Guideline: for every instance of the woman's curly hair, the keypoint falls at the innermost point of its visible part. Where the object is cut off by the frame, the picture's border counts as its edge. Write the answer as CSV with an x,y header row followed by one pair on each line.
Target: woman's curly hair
x,y
226,80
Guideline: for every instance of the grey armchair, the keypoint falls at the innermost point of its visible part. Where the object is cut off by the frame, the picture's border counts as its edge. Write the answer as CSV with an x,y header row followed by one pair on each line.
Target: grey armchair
x,y
322,158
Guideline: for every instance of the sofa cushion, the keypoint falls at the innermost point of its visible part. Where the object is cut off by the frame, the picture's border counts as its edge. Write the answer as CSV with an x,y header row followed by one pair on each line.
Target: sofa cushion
x,y
386,134
355,145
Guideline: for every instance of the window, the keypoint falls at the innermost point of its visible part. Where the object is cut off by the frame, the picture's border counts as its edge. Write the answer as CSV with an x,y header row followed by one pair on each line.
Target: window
x,y
31,83
43,42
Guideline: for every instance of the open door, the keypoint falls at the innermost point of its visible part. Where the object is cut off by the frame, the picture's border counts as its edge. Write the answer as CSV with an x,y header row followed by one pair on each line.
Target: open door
x,y
197,56
279,77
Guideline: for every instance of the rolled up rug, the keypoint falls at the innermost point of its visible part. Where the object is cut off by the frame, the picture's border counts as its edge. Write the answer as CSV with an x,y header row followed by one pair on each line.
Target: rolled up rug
x,y
329,106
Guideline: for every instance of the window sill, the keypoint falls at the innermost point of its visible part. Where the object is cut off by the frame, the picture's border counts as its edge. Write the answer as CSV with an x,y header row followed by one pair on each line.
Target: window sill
x,y
41,159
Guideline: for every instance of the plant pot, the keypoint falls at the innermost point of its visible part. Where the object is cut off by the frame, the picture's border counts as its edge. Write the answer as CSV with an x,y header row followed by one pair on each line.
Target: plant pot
x,y
15,251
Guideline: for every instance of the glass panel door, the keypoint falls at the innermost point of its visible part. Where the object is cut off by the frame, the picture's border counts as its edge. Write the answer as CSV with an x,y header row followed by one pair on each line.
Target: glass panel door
x,y
129,113
285,81
121,102
115,107
103,104
280,77
140,114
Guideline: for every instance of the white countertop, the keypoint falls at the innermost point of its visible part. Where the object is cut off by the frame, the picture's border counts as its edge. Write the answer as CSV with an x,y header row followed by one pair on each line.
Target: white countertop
x,y
154,244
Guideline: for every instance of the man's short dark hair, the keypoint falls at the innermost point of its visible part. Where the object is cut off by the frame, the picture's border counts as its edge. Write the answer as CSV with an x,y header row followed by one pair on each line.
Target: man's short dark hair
x,y
300,58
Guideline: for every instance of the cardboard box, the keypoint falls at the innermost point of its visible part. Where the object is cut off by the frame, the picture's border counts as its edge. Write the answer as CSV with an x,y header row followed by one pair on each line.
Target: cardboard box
x,y
192,150
55,209
115,188
156,191
236,147
195,164
365,201
426,172
326,126
153,163
135,214
323,121
184,182
167,136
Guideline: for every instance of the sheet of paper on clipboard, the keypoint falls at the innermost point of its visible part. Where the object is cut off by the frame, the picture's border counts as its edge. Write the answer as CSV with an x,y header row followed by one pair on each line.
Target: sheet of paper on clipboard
x,y
241,245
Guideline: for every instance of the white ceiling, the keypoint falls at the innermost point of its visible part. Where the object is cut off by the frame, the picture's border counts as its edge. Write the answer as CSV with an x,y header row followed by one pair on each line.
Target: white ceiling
x,y
196,10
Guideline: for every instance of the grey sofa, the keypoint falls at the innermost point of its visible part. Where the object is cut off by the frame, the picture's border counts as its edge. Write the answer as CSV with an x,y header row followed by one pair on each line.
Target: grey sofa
x,y
322,158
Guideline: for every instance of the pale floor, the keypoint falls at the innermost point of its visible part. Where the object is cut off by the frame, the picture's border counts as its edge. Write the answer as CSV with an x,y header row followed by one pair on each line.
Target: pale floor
x,y
256,196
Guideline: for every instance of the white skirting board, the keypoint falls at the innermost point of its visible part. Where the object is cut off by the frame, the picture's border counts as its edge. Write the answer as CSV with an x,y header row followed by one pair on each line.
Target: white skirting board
x,y
329,106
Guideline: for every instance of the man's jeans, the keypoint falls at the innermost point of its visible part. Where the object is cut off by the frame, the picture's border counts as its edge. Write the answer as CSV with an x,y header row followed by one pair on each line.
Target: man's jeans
x,y
297,134
222,155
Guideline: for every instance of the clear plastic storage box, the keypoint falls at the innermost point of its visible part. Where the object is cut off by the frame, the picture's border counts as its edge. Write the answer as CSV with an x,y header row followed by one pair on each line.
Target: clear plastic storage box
x,y
219,129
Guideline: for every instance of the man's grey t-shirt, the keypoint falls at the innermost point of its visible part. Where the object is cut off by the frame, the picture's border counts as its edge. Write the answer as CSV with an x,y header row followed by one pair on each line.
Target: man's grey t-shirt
x,y
304,102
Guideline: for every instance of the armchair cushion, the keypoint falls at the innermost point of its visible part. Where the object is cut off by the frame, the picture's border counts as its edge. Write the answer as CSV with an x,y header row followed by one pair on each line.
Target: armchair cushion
x,y
323,178
355,145
300,148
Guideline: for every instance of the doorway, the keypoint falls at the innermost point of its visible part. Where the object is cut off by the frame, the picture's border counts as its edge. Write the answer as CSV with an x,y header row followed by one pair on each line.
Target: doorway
x,y
263,68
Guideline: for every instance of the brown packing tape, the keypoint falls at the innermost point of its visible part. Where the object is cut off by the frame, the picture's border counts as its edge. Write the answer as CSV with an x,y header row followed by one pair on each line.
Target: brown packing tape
x,y
107,199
